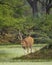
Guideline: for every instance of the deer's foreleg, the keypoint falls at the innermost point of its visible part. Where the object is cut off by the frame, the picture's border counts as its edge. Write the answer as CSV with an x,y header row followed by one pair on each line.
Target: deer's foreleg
x,y
31,49
27,50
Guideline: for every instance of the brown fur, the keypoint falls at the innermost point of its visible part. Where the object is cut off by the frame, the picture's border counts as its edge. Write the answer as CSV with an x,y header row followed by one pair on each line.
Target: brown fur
x,y
27,43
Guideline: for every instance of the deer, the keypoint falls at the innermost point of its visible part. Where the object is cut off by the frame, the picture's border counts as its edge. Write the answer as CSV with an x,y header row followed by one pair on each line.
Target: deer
x,y
26,43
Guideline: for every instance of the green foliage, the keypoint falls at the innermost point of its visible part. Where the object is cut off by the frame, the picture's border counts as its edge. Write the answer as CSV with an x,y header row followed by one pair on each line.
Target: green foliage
x,y
18,15
12,13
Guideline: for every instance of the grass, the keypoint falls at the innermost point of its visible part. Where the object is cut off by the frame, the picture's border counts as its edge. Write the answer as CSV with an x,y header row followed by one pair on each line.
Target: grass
x,y
26,63
15,53
17,45
42,55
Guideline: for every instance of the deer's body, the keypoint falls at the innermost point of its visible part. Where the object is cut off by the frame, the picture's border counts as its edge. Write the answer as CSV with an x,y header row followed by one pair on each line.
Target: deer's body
x,y
26,43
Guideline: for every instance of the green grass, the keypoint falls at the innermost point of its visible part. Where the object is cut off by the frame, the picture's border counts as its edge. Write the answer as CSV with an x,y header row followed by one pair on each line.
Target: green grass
x,y
18,45
26,63
8,52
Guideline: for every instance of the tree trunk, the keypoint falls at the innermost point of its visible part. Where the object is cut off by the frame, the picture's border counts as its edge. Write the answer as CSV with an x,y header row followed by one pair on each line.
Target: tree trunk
x,y
43,9
33,4
48,6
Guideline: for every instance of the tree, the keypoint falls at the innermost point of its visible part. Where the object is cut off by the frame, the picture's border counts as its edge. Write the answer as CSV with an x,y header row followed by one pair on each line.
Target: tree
x,y
33,4
48,6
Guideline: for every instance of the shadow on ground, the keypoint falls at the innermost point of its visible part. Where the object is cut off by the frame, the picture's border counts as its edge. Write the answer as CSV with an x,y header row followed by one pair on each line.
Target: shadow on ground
x,y
43,53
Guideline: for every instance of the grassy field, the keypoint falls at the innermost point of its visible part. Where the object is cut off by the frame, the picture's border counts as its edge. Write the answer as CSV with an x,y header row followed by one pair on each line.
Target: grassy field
x,y
26,63
8,52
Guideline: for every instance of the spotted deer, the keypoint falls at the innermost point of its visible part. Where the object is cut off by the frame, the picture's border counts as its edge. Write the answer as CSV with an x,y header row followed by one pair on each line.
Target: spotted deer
x,y
26,43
